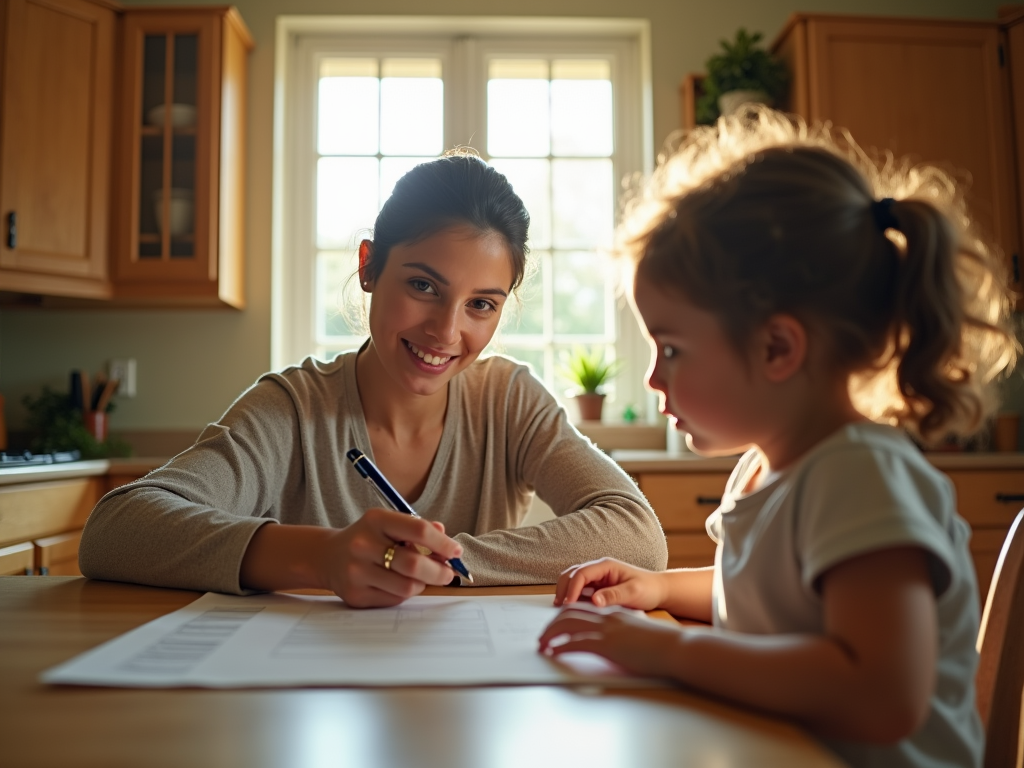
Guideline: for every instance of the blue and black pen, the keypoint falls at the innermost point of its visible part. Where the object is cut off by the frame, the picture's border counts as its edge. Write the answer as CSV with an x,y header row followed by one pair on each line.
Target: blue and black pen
x,y
387,491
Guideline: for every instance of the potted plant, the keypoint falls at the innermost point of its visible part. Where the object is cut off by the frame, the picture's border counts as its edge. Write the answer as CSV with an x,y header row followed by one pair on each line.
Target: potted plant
x,y
589,372
742,73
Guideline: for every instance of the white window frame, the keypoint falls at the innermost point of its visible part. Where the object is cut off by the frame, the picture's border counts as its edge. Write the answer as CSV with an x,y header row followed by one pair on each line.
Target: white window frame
x,y
302,40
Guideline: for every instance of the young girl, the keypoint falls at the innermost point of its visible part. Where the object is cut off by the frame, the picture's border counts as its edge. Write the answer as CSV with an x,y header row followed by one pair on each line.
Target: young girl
x,y
467,442
809,310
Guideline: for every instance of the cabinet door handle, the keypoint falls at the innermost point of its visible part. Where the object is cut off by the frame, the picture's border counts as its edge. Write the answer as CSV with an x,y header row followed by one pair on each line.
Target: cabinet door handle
x,y
12,230
703,500
1010,498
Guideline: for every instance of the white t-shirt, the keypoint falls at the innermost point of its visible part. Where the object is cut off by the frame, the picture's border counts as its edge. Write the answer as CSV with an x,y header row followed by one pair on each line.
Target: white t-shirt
x,y
866,487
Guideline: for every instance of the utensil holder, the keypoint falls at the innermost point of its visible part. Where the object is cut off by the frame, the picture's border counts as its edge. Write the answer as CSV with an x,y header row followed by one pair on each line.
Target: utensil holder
x,y
96,423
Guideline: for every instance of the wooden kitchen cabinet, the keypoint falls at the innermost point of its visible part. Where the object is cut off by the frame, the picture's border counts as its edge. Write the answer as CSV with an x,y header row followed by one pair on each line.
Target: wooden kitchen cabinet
x,y
934,90
180,167
41,523
57,62
57,555
988,499
683,502
1012,22
17,559
41,520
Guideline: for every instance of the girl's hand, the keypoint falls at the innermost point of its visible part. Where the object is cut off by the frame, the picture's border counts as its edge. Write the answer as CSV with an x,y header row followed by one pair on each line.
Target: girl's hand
x,y
614,583
639,645
353,563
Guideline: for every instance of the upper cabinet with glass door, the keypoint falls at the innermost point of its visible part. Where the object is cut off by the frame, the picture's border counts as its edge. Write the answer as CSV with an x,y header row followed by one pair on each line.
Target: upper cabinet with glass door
x,y
179,217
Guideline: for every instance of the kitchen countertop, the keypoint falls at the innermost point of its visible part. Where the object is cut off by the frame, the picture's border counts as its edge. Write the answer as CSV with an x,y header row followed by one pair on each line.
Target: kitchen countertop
x,y
74,469
632,461
636,461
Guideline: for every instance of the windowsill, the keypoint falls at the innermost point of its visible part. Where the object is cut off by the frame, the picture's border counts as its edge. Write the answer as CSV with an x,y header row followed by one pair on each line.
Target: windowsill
x,y
613,437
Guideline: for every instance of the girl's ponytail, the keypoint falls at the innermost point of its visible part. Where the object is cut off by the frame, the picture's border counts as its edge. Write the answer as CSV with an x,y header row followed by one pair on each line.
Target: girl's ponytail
x,y
948,305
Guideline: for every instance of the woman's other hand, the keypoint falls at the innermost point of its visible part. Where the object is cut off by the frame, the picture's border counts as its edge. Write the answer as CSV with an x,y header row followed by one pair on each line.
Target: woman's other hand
x,y
611,582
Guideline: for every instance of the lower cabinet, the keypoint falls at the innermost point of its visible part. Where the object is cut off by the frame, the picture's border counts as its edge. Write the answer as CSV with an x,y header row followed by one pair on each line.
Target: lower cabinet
x,y
683,502
17,560
57,555
41,522
988,499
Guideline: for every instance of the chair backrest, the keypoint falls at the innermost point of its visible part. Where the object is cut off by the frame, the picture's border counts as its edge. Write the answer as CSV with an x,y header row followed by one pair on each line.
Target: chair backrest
x,y
1000,678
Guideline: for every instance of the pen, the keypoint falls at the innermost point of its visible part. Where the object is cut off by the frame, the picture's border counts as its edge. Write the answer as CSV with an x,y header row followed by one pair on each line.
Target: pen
x,y
368,470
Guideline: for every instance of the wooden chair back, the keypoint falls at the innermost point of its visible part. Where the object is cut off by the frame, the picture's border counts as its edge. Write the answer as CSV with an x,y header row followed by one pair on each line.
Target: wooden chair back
x,y
1000,678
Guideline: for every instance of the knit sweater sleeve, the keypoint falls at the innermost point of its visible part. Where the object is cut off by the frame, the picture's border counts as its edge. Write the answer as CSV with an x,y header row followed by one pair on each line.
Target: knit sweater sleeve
x,y
187,525
600,511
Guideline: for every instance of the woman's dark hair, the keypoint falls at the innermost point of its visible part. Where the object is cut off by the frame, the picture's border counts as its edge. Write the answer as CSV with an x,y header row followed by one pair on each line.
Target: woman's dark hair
x,y
456,189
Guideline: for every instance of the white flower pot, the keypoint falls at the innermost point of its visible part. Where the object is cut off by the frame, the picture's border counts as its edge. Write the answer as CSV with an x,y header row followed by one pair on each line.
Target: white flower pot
x,y
729,103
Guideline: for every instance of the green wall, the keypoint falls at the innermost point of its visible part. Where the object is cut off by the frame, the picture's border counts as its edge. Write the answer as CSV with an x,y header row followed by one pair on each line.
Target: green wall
x,y
192,364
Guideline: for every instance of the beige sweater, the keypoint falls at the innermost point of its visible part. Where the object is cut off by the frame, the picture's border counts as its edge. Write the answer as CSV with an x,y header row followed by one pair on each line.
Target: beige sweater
x,y
278,455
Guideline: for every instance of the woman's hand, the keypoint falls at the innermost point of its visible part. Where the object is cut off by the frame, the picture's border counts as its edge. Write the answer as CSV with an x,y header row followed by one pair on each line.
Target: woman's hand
x,y
353,565
613,583
639,645
351,561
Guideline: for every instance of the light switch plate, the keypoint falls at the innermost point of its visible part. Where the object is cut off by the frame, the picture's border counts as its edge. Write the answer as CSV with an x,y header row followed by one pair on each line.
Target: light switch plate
x,y
124,371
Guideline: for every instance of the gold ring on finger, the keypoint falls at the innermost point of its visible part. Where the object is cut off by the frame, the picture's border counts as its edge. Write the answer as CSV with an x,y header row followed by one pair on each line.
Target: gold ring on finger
x,y
388,557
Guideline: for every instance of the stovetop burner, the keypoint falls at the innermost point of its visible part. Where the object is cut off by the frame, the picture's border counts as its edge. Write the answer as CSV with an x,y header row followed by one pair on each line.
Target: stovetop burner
x,y
27,459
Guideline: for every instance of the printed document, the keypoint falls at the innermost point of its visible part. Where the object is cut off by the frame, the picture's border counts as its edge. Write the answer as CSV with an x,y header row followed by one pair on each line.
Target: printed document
x,y
277,640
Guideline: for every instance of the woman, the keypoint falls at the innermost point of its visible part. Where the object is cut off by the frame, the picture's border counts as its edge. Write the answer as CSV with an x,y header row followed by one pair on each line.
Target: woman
x,y
467,442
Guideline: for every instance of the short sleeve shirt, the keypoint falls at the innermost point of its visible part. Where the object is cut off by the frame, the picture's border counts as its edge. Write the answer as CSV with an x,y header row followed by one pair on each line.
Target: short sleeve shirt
x,y
865,488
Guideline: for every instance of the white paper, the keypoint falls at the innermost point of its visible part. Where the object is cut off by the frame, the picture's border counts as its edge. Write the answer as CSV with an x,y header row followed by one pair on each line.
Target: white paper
x,y
225,641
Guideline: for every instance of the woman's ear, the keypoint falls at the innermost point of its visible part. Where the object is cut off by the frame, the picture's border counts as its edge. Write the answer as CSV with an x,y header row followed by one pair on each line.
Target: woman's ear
x,y
784,347
365,253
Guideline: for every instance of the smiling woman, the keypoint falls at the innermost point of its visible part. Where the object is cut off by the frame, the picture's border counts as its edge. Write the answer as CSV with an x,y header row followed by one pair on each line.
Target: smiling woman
x,y
467,441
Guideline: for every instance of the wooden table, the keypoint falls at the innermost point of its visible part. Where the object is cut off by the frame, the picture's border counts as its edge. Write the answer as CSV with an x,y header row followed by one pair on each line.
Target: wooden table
x,y
47,620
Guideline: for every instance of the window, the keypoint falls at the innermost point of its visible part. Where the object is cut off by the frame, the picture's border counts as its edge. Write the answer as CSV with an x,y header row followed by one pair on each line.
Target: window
x,y
558,110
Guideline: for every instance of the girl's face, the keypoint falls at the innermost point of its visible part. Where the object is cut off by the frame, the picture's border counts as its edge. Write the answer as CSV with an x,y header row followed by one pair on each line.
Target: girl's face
x,y
705,385
436,305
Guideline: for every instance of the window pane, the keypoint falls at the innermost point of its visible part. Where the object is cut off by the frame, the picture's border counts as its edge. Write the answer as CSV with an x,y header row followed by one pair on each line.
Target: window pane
x,y
582,192
528,316
581,117
579,288
337,295
518,109
346,200
348,115
531,180
394,168
412,116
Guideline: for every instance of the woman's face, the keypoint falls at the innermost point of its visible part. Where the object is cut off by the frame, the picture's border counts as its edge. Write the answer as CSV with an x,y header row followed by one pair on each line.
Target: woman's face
x,y
437,303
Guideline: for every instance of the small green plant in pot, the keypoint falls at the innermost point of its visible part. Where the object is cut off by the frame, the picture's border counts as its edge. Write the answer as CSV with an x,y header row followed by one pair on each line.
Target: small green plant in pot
x,y
741,73
588,371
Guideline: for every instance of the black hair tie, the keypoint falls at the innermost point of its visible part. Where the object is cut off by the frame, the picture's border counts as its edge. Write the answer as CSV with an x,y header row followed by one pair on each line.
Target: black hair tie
x,y
882,211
